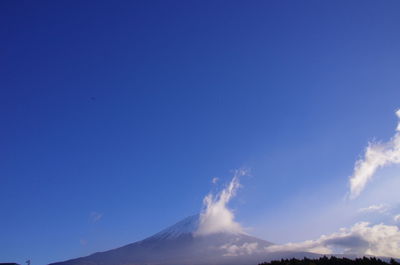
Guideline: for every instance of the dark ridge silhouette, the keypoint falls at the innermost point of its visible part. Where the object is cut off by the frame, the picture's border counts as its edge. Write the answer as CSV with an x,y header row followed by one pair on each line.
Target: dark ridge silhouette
x,y
332,261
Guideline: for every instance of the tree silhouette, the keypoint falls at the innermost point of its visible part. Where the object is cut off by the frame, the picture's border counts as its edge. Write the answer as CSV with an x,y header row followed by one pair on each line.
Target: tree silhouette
x,y
332,261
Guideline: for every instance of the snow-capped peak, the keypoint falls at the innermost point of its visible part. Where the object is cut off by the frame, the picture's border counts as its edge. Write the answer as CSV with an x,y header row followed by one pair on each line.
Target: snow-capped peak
x,y
188,225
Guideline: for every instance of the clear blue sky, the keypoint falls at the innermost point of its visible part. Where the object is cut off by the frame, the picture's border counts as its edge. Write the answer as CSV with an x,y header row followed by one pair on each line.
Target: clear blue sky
x,y
128,110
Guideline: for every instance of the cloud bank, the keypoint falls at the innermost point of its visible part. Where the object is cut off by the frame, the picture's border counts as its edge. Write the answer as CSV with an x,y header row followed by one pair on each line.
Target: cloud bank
x,y
216,217
376,155
246,248
361,239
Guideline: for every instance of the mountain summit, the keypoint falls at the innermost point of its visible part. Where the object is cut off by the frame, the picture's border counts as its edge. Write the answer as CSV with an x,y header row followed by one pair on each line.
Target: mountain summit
x,y
179,244
188,225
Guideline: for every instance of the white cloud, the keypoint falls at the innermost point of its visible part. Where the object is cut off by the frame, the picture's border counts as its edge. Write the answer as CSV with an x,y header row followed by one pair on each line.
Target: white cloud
x,y
314,246
398,115
376,155
237,250
216,217
397,218
380,208
361,239
95,217
214,180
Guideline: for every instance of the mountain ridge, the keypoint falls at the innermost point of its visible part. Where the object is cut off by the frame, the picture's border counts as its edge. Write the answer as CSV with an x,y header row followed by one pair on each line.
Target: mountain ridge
x,y
179,244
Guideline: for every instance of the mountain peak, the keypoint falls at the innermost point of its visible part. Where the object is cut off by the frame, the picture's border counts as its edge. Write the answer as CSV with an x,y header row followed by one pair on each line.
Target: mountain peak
x,y
189,225
179,244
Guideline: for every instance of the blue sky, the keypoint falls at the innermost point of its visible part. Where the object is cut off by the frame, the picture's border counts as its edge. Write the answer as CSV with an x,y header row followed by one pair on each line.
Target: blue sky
x,y
115,117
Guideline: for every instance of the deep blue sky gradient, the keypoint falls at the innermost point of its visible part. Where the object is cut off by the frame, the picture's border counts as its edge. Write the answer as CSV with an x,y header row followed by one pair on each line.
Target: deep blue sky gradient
x,y
130,108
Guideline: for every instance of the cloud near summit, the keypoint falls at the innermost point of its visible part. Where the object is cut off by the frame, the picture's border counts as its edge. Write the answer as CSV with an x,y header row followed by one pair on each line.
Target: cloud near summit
x,y
216,217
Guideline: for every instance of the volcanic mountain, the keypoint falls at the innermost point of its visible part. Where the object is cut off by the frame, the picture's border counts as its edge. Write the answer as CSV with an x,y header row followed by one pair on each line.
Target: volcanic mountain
x,y
180,244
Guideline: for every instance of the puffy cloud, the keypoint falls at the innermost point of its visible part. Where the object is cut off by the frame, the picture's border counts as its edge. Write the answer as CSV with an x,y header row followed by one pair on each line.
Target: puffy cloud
x,y
95,217
214,180
361,239
216,217
380,208
238,250
397,218
376,155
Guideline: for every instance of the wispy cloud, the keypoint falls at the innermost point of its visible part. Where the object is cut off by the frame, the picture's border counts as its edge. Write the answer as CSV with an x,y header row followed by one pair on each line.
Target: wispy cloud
x,y
377,208
216,217
376,155
83,242
95,217
397,218
214,180
361,239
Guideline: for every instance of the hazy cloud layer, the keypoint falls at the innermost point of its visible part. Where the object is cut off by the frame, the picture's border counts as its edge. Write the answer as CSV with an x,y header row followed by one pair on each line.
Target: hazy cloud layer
x,y
216,217
375,208
376,155
361,239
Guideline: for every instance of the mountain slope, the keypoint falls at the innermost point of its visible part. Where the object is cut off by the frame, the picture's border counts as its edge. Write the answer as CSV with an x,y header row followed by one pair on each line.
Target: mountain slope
x,y
179,245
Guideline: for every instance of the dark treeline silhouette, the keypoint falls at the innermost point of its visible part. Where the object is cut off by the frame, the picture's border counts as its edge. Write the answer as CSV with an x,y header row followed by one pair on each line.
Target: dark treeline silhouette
x,y
332,261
